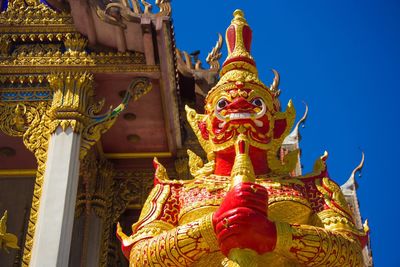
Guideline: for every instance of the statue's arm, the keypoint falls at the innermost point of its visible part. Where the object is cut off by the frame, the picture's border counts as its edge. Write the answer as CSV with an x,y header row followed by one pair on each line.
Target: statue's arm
x,y
316,246
158,240
335,241
179,246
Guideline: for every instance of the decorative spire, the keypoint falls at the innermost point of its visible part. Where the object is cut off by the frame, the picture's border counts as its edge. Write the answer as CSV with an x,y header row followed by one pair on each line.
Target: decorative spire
x,y
238,40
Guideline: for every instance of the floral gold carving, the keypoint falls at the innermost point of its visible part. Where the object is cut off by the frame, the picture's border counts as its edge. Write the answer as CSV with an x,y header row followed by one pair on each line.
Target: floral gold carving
x,y
71,106
96,195
72,93
30,120
7,240
21,13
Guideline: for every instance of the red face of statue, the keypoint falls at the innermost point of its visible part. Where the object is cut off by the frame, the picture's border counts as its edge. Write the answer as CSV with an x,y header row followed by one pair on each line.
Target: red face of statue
x,y
237,111
240,114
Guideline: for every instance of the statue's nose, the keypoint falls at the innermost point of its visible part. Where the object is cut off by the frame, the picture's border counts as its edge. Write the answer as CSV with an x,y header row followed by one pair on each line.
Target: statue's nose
x,y
240,104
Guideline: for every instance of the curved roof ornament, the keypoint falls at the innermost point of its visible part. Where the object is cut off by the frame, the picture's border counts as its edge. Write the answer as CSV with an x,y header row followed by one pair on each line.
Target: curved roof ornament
x,y
215,54
351,183
294,137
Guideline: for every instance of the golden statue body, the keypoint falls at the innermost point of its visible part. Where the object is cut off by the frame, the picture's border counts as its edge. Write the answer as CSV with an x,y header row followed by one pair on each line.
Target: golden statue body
x,y
243,208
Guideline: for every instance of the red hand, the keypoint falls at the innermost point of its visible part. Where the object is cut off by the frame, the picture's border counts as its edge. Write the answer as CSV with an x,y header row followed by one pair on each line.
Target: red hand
x,y
241,220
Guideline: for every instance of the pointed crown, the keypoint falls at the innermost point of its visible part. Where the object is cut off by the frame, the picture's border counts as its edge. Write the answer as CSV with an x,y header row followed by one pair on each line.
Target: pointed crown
x,y
239,68
238,41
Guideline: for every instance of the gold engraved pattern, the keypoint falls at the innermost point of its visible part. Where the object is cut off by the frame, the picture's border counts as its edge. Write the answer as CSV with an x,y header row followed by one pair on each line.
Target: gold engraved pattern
x,y
72,106
181,246
41,60
18,13
334,197
334,221
31,121
36,139
153,207
314,246
171,207
103,194
195,163
197,209
72,92
335,243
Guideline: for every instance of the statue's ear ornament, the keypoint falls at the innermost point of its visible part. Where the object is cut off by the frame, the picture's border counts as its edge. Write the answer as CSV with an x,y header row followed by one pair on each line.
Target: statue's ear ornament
x,y
320,163
197,167
284,122
160,173
198,124
275,84
195,162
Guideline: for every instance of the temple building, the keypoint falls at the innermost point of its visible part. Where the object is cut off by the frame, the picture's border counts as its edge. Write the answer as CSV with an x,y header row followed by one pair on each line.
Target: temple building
x,y
90,93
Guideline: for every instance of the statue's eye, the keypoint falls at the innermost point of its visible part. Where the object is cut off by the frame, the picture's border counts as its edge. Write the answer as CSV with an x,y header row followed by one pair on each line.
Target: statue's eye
x,y
257,102
222,103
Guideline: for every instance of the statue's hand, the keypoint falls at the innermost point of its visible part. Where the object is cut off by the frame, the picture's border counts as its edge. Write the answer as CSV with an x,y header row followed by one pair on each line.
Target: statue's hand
x,y
241,221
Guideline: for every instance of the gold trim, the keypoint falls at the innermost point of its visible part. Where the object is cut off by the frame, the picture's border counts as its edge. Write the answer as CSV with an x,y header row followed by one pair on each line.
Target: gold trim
x,y
134,207
207,232
18,173
140,155
191,215
45,69
36,139
284,237
55,28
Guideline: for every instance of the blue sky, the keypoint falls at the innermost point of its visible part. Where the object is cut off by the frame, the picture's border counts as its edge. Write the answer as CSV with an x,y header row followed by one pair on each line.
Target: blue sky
x,y
343,59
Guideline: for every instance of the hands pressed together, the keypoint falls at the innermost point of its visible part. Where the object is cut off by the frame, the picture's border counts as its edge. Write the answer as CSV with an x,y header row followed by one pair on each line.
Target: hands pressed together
x,y
242,222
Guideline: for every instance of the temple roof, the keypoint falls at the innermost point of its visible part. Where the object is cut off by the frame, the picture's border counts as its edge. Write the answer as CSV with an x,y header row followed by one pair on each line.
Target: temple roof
x,y
39,38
